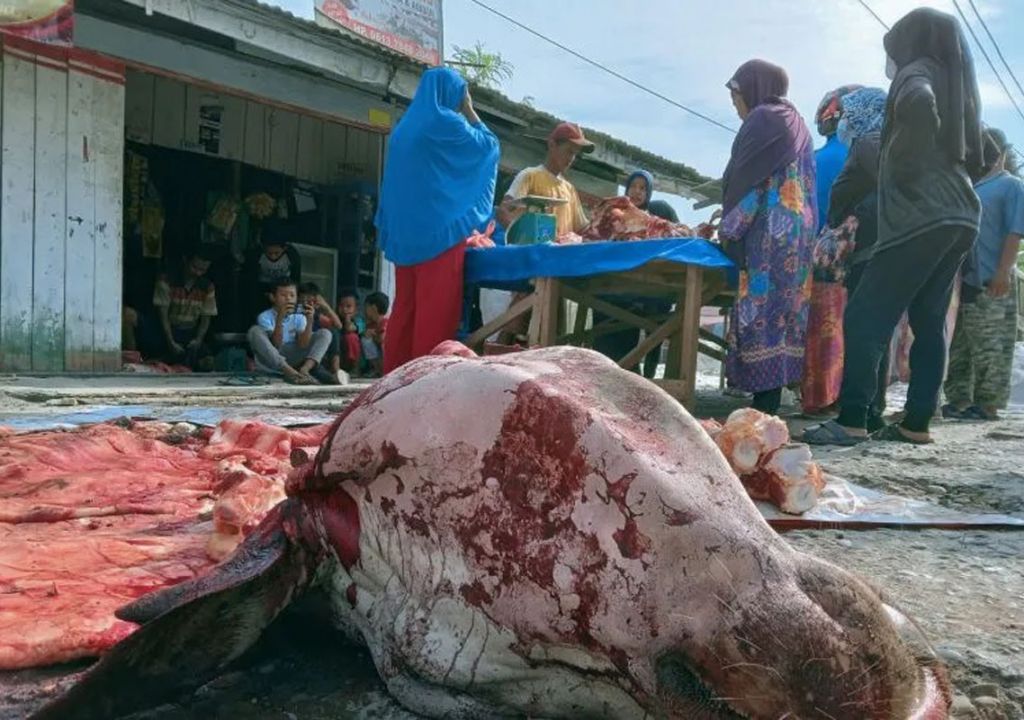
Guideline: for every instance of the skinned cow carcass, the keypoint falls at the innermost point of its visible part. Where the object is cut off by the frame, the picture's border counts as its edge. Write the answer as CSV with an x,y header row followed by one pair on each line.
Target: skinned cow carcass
x,y
540,534
619,219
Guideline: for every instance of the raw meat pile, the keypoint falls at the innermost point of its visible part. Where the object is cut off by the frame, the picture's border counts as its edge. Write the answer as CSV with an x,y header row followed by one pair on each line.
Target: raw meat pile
x,y
94,518
771,468
619,219
482,239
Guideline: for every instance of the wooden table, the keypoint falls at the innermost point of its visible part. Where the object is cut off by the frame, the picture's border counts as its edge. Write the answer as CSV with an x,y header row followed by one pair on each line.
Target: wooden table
x,y
688,286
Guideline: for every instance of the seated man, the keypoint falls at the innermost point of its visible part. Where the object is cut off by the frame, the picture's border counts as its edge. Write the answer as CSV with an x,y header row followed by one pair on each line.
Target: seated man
x,y
565,143
376,310
284,342
186,303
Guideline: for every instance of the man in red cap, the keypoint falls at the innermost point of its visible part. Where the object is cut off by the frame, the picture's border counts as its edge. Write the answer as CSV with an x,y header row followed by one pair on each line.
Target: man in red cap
x,y
565,142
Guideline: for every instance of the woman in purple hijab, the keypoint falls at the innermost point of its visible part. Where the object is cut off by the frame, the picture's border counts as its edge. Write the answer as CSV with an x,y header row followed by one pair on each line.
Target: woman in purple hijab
x,y
769,218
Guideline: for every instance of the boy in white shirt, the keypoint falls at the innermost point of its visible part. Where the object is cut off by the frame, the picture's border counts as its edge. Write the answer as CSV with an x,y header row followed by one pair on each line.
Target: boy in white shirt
x,y
284,342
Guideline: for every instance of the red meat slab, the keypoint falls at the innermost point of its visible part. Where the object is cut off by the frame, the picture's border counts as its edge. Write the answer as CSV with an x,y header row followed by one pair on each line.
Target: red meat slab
x,y
92,518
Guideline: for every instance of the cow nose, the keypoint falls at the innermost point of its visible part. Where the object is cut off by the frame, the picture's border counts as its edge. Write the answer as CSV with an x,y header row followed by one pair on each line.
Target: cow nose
x,y
815,641
911,634
933,695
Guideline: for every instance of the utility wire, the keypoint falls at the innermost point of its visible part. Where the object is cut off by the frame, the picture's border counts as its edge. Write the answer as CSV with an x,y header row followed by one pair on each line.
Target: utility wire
x,y
963,17
873,14
605,68
996,45
988,59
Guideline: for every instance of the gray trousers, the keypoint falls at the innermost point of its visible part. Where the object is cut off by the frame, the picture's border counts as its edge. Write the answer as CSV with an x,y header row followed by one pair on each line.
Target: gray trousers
x,y
270,359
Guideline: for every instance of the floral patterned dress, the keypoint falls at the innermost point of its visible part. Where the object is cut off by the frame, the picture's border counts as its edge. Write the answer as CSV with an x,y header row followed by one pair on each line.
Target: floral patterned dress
x,y
775,226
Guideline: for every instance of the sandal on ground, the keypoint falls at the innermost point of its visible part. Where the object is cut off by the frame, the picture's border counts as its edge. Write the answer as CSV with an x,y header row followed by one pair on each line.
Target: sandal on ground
x,y
822,414
300,379
891,433
328,377
245,380
975,412
952,412
831,433
875,423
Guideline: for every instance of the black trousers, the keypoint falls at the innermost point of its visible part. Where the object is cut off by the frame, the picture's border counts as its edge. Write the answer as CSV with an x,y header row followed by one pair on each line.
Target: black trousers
x,y
915,277
877,408
767,401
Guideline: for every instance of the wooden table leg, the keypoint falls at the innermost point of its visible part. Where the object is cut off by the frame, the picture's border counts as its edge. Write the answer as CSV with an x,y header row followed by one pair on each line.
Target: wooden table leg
x,y
581,321
689,333
515,310
544,323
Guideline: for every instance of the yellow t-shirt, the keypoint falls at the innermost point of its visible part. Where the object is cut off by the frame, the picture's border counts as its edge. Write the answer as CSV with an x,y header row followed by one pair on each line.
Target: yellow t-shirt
x,y
542,182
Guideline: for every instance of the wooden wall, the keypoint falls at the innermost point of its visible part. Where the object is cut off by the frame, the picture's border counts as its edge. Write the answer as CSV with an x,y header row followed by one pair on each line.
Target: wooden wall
x,y
166,112
62,126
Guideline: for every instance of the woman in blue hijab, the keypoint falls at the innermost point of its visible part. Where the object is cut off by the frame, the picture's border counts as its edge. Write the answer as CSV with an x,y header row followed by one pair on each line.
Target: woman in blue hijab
x,y
640,188
438,188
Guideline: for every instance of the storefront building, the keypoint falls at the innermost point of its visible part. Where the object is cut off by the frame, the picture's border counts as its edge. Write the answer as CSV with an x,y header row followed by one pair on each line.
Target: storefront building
x,y
176,125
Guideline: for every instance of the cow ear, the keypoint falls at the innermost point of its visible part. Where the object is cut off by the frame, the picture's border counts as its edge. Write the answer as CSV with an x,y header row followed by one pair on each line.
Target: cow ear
x,y
257,555
191,630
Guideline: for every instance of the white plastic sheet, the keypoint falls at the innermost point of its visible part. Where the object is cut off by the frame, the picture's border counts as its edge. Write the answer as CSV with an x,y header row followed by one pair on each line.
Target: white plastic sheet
x,y
845,505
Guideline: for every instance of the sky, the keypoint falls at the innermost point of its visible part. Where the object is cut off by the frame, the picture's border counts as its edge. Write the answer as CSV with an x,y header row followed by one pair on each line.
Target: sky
x,y
688,49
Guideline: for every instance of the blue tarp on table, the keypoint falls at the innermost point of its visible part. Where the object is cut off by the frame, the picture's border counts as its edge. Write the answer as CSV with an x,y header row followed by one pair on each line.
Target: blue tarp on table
x,y
510,266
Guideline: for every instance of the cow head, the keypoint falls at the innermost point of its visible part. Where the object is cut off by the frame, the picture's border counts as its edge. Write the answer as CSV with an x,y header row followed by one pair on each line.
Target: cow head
x,y
589,512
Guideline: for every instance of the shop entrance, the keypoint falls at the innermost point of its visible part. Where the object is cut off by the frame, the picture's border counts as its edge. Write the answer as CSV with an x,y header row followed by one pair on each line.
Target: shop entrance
x,y
206,171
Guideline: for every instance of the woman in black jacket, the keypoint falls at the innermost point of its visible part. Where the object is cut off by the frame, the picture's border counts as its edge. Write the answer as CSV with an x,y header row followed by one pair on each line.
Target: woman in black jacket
x,y
928,219
855,192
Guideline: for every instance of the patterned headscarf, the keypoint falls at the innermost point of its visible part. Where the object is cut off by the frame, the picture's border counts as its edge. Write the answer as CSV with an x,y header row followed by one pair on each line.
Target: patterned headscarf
x,y
863,112
827,117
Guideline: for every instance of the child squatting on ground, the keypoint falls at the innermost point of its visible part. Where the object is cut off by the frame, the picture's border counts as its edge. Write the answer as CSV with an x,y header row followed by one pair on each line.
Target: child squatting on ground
x,y
285,343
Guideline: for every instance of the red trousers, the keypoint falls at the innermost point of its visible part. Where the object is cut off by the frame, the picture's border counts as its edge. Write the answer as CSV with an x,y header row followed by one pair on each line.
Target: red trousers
x,y
428,307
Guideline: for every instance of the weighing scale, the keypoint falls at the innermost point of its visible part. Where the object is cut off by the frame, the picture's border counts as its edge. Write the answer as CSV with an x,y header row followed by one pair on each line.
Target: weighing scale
x,y
535,226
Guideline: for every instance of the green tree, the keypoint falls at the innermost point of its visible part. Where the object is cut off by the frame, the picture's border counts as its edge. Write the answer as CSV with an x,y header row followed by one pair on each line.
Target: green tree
x,y
481,67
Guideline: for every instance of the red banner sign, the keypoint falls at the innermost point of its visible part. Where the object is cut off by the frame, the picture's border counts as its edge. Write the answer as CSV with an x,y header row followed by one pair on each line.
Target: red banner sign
x,y
49,21
410,27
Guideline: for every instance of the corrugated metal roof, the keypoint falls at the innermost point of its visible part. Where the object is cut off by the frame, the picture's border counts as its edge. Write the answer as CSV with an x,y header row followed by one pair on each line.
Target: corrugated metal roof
x,y
539,123
535,121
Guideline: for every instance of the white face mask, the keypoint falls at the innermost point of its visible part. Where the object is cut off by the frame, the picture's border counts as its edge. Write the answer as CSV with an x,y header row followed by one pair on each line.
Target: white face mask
x,y
843,132
890,68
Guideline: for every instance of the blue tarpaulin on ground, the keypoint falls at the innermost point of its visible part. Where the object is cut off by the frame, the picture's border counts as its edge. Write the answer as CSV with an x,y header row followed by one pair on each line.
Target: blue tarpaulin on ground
x,y
511,264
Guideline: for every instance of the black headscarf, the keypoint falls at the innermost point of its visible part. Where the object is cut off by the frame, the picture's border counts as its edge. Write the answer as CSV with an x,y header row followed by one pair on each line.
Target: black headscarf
x,y
928,43
772,136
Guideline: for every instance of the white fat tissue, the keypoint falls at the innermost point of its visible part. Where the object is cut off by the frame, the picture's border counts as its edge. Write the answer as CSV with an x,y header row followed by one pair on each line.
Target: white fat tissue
x,y
771,468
